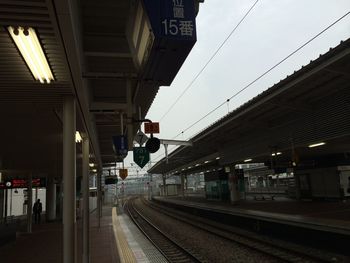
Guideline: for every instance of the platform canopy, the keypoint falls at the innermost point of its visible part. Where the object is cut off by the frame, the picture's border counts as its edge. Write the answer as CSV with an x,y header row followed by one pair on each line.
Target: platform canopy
x,y
277,126
102,53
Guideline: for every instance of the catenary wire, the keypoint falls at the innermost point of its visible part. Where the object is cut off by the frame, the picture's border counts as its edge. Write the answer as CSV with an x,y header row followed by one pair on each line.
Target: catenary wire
x,y
265,73
261,76
208,62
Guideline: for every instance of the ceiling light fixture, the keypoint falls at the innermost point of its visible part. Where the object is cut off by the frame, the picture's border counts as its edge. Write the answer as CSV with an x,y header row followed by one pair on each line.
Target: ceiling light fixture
x,y
206,162
91,164
275,154
248,160
28,44
78,138
316,144
217,158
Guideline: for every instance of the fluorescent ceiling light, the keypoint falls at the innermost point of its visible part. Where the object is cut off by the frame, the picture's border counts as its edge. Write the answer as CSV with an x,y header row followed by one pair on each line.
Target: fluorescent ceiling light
x,y
28,44
197,164
94,170
248,160
91,164
316,144
189,167
206,162
277,153
217,158
78,138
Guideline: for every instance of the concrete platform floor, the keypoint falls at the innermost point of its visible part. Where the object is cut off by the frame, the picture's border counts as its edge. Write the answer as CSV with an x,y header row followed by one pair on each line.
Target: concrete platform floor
x,y
44,244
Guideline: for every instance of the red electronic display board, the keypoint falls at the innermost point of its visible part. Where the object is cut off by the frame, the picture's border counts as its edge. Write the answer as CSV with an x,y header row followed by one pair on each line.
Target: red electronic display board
x,y
22,183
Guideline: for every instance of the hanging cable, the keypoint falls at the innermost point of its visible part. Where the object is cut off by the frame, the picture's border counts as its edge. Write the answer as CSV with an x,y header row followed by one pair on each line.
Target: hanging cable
x,y
265,73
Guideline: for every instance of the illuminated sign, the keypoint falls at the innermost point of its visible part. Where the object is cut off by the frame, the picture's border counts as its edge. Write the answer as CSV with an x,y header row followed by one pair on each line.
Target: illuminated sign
x,y
22,183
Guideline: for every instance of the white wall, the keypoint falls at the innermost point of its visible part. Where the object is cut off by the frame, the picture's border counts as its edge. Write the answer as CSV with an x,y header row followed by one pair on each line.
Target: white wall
x,y
18,200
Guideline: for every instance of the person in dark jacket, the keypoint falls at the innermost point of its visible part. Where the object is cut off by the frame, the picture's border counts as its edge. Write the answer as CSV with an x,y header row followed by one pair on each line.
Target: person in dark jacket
x,y
37,209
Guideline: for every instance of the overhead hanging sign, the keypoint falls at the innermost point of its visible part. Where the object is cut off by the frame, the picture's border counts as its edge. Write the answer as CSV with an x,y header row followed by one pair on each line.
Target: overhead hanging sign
x,y
151,127
123,173
168,26
141,156
120,145
172,18
111,180
141,138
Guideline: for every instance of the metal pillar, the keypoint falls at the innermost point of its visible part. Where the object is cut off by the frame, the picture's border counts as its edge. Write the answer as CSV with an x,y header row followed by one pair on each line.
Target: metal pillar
x,y
51,200
86,212
30,204
69,169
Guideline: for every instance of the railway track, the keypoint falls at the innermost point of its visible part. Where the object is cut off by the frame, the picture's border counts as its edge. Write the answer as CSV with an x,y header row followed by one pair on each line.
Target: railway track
x,y
169,248
279,251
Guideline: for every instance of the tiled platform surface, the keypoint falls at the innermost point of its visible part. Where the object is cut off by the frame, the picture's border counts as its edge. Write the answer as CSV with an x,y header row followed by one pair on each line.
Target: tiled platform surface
x,y
141,247
45,243
327,213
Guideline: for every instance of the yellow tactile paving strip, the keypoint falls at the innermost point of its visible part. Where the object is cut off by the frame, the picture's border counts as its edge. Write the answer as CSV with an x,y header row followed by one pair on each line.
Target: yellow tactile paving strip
x,y
125,253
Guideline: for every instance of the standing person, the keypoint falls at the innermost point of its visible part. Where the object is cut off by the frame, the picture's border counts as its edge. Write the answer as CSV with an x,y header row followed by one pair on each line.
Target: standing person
x,y
37,209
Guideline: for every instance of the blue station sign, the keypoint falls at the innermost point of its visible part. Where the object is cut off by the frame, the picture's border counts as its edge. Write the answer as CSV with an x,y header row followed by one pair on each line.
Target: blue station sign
x,y
172,18
173,25
120,145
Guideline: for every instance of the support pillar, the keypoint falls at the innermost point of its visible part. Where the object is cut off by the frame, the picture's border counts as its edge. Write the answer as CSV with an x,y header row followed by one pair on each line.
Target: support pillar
x,y
150,187
30,204
233,184
5,206
69,177
36,194
86,212
99,199
165,190
129,101
297,186
51,200
2,202
182,185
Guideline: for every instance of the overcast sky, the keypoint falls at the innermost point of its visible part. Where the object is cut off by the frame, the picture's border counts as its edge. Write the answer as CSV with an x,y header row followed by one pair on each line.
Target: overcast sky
x,y
271,31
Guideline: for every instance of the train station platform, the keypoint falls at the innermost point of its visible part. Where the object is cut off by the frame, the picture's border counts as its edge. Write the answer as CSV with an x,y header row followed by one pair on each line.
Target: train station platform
x,y
116,240
44,244
330,216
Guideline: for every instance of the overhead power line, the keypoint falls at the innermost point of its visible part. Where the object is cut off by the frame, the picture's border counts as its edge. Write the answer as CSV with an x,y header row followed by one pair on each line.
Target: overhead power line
x,y
265,73
208,62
